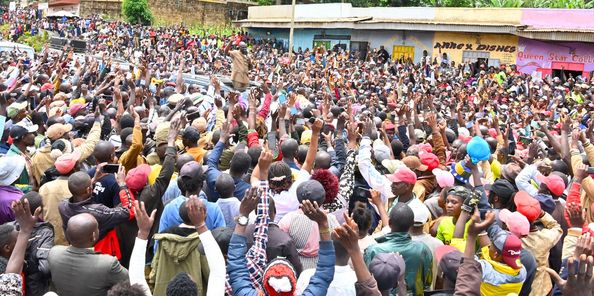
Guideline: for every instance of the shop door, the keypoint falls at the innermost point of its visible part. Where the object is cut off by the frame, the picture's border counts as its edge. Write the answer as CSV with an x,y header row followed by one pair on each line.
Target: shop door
x,y
403,52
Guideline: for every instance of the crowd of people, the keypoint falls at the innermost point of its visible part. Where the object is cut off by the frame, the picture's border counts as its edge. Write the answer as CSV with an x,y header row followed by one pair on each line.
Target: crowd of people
x,y
342,173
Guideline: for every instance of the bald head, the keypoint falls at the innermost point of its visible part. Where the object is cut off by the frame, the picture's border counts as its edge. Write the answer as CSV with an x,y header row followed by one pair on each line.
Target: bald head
x,y
225,185
289,148
183,159
79,185
104,152
82,230
401,218
323,160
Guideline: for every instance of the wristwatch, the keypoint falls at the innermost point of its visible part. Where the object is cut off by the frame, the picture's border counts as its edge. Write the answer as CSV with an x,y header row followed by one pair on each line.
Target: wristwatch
x,y
242,220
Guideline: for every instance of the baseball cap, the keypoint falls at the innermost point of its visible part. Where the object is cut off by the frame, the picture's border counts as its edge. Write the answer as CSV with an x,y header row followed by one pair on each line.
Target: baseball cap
x,y
13,109
444,178
425,147
191,169
554,183
392,164
448,258
527,206
175,98
191,133
430,160
66,162
306,137
311,190
200,124
380,150
18,131
11,168
138,177
57,130
478,149
404,175
421,213
75,108
47,86
510,247
516,222
460,171
387,269
503,188
414,163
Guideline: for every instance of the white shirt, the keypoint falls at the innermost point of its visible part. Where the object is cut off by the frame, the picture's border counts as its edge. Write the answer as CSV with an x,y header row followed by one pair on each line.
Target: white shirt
x,y
286,201
342,285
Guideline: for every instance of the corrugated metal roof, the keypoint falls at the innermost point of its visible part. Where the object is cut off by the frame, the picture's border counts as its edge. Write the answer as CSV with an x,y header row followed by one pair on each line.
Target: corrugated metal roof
x,y
557,35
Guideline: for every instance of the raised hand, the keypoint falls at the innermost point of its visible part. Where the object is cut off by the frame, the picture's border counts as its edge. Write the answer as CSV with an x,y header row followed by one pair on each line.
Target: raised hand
x,y
477,226
250,201
143,220
196,212
577,284
314,212
22,214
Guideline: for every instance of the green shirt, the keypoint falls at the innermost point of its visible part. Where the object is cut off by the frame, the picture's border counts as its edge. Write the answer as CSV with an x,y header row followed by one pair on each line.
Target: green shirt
x,y
416,255
445,230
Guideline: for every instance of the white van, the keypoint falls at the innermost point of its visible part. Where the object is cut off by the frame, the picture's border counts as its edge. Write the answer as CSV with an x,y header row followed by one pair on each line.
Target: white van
x,y
11,46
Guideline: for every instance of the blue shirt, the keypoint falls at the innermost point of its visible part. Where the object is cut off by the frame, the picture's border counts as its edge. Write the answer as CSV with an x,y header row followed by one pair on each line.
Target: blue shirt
x,y
171,218
213,172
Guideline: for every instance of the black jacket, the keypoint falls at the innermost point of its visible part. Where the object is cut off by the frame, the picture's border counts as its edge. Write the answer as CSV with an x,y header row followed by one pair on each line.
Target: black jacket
x,y
36,267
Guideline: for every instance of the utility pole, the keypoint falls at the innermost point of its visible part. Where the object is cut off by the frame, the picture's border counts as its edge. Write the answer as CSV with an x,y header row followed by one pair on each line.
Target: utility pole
x,y
291,30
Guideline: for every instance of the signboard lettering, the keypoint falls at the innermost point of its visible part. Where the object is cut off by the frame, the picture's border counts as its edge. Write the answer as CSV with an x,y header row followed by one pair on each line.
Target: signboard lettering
x,y
470,46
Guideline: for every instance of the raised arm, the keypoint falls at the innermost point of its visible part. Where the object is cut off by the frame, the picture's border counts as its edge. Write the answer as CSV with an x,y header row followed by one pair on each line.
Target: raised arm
x,y
313,146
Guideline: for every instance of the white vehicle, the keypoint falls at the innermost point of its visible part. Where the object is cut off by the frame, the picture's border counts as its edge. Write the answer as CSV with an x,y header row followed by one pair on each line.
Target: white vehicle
x,y
12,46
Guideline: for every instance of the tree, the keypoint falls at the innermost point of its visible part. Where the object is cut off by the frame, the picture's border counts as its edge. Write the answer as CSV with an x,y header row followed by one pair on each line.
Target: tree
x,y
137,12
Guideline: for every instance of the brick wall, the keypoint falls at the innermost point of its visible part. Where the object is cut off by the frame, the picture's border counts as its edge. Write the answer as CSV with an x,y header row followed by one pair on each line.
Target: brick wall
x,y
189,12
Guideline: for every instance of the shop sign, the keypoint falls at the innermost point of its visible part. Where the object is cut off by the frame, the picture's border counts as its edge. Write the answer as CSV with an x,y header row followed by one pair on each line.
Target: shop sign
x,y
478,47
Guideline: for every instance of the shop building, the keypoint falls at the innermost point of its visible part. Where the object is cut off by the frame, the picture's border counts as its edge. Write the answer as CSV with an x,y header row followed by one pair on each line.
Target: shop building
x,y
539,41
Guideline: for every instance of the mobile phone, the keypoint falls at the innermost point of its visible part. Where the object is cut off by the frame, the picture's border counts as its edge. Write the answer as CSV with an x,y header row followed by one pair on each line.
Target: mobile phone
x,y
111,168
272,144
591,170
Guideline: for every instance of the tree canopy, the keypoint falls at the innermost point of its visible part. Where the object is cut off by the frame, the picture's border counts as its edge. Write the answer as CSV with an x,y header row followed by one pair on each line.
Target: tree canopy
x,y
137,12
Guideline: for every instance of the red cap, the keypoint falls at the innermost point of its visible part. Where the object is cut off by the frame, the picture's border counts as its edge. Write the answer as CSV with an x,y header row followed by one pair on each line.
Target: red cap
x,y
527,206
426,147
138,177
554,183
512,249
442,250
66,162
493,132
430,160
47,86
403,175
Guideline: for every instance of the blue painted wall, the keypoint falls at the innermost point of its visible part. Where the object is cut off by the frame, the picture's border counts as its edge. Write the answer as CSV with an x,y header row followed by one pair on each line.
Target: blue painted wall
x,y
421,40
302,37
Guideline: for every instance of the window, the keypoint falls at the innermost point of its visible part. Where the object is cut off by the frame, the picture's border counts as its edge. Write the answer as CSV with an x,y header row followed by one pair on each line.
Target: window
x,y
473,56
324,44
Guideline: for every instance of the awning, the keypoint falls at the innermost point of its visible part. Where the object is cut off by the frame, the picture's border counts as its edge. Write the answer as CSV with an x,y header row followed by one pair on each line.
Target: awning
x,y
577,35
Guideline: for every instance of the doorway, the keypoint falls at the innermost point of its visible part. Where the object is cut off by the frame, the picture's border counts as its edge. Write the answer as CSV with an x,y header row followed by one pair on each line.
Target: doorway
x,y
568,73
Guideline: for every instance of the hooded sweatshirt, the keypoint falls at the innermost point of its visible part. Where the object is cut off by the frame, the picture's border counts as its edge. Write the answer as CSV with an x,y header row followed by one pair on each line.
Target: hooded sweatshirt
x,y
178,254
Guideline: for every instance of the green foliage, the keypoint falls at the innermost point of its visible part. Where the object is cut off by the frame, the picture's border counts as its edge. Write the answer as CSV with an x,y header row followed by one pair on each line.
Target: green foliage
x,y
36,41
266,2
137,12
